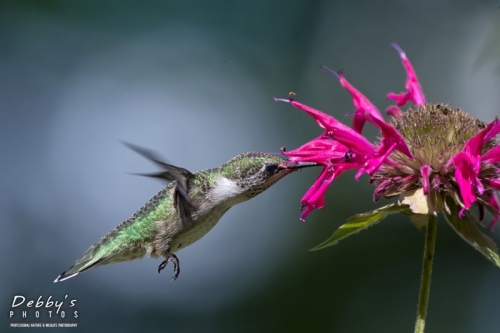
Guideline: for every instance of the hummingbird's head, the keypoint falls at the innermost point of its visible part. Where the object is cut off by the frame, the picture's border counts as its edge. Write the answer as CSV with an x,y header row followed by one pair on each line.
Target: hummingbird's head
x,y
252,173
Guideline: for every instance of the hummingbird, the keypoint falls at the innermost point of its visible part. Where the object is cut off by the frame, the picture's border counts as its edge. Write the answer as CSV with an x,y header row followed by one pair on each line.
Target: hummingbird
x,y
184,210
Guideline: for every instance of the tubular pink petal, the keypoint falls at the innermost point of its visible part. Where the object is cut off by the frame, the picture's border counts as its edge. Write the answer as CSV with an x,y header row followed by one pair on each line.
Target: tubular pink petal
x,y
479,186
317,200
360,146
358,121
414,91
365,110
492,155
465,178
322,151
374,163
495,129
401,98
390,134
474,145
323,158
360,173
495,183
338,131
381,188
393,111
425,171
324,120
322,144
315,185
314,198
305,213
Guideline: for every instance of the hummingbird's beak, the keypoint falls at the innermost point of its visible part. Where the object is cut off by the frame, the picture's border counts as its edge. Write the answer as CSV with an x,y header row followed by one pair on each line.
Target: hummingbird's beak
x,y
298,165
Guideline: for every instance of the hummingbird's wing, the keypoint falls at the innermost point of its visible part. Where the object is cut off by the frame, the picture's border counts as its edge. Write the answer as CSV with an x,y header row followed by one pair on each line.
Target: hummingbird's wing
x,y
171,173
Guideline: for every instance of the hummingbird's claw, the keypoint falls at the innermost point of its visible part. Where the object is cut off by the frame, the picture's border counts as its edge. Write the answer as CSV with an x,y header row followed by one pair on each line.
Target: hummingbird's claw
x,y
173,258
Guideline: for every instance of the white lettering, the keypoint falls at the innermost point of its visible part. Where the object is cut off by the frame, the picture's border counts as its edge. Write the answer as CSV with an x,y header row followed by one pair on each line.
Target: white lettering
x,y
49,302
14,300
39,302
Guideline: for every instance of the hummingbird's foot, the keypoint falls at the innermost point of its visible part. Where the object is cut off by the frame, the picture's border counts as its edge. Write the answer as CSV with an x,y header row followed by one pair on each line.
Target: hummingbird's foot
x,y
173,258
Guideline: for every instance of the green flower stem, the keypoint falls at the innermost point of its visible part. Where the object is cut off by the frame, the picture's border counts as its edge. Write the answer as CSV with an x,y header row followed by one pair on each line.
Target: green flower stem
x,y
425,282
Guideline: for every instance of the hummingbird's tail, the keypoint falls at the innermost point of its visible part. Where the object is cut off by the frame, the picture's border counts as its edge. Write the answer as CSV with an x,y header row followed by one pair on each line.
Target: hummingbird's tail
x,y
117,246
85,262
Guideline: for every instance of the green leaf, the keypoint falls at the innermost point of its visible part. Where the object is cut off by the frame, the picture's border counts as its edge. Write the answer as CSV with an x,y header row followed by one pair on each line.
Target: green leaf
x,y
470,232
359,222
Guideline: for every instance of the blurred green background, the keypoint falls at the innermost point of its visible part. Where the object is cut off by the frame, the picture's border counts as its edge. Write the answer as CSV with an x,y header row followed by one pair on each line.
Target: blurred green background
x,y
194,81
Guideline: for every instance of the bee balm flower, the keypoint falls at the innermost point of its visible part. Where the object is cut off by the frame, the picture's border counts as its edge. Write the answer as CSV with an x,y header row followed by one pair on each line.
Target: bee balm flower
x,y
433,157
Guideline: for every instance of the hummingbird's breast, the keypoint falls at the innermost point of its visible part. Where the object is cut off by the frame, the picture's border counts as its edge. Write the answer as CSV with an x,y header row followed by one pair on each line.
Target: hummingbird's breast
x,y
198,228
210,205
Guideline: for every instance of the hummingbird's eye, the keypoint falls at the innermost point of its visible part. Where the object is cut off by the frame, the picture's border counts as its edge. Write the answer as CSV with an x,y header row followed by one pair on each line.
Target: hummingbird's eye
x,y
271,169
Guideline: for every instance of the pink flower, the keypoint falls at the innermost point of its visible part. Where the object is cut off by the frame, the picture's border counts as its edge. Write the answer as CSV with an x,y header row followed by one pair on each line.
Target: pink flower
x,y
450,156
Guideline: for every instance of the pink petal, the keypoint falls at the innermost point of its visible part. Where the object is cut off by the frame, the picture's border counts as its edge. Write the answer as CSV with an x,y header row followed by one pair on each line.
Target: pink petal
x,y
391,135
472,149
320,144
394,111
315,185
338,131
314,197
305,213
492,156
495,183
320,157
317,200
375,162
425,171
474,145
464,175
414,91
365,110
381,188
319,150
495,129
